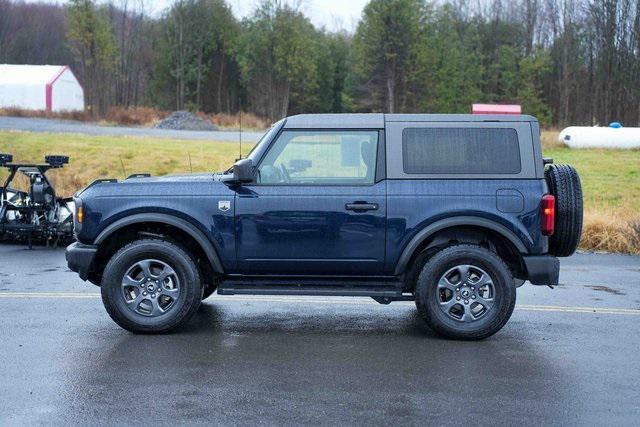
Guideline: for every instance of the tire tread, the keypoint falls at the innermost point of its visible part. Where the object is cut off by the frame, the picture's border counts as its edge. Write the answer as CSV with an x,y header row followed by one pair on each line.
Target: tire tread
x,y
564,183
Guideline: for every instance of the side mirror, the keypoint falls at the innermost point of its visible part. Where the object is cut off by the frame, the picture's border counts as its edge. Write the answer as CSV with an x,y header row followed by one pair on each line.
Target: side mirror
x,y
242,172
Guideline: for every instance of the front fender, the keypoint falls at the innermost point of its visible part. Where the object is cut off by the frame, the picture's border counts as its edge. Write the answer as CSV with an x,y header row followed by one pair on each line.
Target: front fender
x,y
171,220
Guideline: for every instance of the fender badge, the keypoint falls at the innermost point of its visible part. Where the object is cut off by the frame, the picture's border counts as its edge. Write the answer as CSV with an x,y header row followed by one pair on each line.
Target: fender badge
x,y
224,205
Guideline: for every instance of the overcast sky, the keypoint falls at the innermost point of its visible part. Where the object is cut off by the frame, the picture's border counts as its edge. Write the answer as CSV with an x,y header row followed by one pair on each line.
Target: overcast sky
x,y
334,14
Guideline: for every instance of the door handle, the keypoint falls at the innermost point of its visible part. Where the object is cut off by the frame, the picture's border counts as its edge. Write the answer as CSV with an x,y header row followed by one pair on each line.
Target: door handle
x,y
361,207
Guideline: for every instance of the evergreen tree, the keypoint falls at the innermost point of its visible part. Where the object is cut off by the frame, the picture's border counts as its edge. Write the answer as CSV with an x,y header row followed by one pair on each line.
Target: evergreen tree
x,y
386,44
276,53
94,48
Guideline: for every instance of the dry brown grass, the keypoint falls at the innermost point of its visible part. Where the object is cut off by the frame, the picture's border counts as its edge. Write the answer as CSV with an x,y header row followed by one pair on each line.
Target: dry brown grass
x,y
138,116
43,114
249,121
609,232
549,139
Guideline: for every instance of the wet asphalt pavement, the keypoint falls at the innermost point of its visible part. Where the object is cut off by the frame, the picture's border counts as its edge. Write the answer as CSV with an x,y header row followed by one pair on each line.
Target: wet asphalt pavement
x,y
568,356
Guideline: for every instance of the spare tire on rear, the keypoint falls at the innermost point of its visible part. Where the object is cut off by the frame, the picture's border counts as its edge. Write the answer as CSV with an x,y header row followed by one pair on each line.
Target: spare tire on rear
x,y
564,184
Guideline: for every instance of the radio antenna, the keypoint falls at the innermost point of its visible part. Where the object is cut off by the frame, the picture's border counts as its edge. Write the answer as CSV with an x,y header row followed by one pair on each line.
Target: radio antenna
x,y
240,133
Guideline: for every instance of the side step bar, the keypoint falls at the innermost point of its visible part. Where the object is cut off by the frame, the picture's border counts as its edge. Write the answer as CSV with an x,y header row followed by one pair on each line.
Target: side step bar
x,y
383,291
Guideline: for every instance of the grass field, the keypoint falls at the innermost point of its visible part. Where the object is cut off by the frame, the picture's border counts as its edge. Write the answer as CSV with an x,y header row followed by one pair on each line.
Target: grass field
x,y
611,178
94,157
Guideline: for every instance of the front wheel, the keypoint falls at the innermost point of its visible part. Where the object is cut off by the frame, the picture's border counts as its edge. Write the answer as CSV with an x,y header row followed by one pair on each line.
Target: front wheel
x,y
151,286
465,292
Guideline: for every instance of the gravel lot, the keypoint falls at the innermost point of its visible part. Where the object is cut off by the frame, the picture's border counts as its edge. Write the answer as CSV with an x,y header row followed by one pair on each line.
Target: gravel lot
x,y
568,356
69,126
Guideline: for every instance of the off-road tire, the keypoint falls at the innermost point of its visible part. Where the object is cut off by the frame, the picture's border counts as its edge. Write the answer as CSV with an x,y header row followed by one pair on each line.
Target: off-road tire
x,y
564,184
438,265
178,259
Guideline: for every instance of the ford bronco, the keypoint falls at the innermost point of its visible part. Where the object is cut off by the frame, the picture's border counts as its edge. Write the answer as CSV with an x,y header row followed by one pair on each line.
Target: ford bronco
x,y
454,212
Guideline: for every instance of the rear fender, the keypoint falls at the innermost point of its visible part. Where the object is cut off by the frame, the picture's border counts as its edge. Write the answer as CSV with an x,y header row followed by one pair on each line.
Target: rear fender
x,y
431,229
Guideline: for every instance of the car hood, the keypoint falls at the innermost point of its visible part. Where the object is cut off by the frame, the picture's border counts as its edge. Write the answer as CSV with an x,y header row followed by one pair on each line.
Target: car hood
x,y
161,186
209,177
193,177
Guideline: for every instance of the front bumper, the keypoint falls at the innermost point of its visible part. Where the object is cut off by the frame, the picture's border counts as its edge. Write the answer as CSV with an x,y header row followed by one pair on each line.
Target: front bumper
x,y
80,258
542,270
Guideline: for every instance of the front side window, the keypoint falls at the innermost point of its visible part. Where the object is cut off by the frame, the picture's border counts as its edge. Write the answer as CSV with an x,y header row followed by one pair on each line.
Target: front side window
x,y
321,158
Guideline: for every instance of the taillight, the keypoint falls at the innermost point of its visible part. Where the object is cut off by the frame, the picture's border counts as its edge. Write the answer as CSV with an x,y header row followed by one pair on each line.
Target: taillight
x,y
548,211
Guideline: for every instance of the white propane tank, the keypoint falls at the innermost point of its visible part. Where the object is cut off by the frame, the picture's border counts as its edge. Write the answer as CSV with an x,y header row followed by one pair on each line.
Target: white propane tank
x,y
600,137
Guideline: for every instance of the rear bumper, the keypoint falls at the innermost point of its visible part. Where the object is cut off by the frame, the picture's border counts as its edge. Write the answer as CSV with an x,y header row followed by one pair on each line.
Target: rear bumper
x,y
542,270
80,258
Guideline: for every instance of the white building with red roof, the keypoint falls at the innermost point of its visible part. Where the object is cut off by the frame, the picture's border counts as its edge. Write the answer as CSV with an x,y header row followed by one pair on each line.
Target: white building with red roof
x,y
40,87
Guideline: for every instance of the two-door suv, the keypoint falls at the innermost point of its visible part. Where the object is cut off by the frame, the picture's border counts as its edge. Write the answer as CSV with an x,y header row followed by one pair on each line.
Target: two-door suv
x,y
452,211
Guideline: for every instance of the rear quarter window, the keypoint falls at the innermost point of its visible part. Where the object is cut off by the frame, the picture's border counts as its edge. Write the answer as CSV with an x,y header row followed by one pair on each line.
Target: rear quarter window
x,y
460,151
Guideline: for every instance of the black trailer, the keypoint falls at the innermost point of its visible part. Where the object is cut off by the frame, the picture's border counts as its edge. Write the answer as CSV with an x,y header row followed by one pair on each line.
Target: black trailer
x,y
37,214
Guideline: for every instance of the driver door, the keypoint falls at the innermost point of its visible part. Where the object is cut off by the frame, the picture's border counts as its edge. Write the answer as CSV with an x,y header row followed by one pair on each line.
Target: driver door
x,y
316,208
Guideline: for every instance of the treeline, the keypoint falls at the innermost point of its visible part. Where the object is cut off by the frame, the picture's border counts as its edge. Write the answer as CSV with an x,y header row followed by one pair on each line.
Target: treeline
x,y
565,61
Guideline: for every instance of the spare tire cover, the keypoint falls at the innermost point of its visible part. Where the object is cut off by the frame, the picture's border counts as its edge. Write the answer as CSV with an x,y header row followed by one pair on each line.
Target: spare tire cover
x,y
564,183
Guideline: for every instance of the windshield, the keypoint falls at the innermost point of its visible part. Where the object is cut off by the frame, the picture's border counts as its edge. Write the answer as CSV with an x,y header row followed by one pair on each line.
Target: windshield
x,y
259,148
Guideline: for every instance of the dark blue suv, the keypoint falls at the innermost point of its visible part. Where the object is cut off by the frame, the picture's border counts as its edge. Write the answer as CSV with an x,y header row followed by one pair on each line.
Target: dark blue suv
x,y
452,211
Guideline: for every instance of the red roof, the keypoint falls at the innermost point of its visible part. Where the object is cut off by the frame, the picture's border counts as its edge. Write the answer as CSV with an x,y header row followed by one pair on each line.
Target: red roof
x,y
497,109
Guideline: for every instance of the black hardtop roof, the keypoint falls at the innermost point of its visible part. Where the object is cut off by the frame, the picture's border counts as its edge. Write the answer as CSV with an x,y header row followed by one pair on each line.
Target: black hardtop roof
x,y
378,120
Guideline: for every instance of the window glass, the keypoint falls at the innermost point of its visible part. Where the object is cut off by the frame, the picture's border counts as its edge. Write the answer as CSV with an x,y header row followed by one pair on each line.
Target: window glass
x,y
460,151
321,157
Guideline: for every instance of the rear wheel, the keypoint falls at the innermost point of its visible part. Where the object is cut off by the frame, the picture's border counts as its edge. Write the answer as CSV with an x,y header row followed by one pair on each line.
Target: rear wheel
x,y
151,286
465,292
